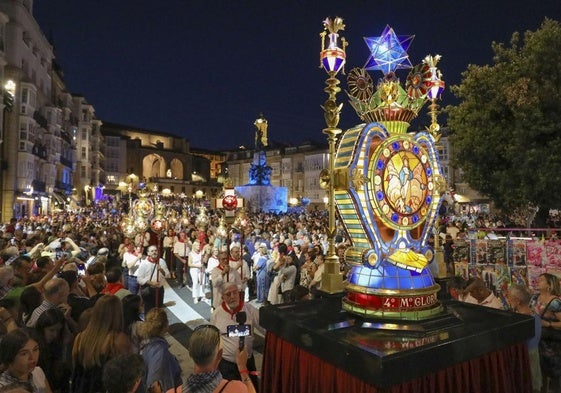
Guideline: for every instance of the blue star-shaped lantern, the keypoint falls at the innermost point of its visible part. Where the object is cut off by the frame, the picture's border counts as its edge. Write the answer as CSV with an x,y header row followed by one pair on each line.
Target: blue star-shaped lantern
x,y
388,51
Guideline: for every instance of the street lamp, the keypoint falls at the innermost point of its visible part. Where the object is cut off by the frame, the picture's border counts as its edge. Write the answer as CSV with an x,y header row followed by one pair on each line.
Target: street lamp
x,y
434,92
332,59
436,87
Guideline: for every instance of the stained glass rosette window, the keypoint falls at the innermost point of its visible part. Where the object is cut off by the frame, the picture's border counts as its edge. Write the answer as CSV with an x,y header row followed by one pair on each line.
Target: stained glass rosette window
x,y
402,183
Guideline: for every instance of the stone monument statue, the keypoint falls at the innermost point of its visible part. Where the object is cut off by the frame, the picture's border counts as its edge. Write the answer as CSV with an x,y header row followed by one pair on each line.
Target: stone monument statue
x,y
258,192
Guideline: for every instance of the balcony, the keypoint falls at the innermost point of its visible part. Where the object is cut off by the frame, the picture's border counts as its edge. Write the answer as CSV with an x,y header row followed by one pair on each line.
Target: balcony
x,y
38,186
40,119
39,151
63,186
66,162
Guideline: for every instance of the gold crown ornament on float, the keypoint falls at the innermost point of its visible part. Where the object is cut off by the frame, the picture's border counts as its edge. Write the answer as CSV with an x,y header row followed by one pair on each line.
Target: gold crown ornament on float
x,y
388,182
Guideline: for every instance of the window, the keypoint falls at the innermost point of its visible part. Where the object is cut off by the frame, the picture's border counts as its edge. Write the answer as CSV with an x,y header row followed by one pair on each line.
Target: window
x,y
84,134
2,45
24,66
445,173
83,171
23,135
25,95
443,153
84,153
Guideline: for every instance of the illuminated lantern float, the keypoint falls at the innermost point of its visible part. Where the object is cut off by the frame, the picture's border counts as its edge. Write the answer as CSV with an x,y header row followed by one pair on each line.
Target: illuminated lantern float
x,y
388,185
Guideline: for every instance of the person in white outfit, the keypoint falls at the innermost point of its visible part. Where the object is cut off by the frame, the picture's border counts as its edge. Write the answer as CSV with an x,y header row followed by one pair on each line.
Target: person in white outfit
x,y
151,274
221,275
212,264
238,263
197,271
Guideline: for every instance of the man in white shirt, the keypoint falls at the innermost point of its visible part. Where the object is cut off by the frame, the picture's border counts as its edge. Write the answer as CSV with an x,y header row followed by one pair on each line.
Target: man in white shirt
x,y
220,276
151,275
131,260
228,314
212,264
181,250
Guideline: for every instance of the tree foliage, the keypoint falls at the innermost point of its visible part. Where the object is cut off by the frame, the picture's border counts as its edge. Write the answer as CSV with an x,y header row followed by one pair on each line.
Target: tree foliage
x,y
506,131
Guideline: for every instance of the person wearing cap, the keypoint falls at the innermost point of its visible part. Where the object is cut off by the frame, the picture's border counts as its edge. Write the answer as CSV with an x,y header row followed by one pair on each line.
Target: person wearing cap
x,y
235,256
103,252
229,313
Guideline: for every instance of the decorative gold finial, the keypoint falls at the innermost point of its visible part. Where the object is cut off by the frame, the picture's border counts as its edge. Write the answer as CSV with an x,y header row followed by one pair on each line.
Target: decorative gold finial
x,y
332,60
436,86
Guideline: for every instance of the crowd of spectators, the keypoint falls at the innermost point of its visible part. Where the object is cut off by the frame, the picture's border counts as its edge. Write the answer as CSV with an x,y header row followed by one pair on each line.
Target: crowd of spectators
x,y
81,300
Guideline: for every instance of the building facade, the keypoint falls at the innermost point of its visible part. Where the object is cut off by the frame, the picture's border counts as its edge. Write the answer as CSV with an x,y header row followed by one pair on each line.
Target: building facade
x,y
136,157
295,167
37,143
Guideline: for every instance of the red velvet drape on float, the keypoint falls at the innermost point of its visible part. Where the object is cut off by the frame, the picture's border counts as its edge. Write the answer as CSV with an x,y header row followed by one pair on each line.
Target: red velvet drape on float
x,y
289,369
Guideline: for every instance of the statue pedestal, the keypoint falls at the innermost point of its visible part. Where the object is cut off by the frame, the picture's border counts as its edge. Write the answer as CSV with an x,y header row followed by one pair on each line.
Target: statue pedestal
x,y
269,199
313,346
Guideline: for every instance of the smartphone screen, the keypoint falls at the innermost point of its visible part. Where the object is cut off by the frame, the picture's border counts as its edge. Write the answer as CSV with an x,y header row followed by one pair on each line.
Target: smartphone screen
x,y
238,330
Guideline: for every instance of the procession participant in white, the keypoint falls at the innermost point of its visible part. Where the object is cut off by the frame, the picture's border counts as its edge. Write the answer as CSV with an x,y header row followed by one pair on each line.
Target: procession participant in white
x,y
221,275
197,271
181,250
151,275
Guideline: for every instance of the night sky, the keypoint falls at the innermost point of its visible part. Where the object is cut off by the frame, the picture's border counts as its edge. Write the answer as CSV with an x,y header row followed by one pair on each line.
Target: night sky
x,y
206,69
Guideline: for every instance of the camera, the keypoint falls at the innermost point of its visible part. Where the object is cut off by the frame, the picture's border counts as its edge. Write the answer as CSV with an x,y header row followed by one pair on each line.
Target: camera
x,y
238,330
